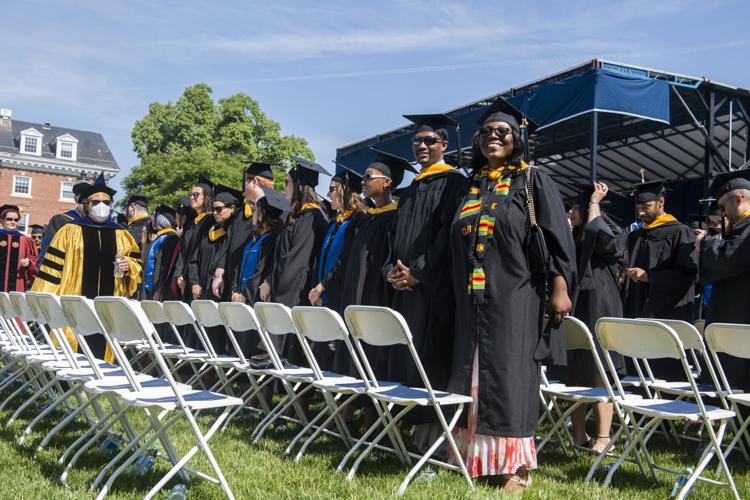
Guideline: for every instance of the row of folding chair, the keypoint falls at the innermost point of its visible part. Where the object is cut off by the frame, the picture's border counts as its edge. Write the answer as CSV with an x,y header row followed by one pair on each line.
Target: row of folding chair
x,y
639,415
164,401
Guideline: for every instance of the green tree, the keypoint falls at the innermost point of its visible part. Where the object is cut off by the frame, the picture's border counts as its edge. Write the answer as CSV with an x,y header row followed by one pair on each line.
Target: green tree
x,y
176,142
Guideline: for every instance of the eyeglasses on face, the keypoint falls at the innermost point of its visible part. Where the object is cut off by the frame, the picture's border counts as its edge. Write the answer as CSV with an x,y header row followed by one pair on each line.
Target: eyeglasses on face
x,y
96,202
500,132
218,209
429,140
195,194
368,177
11,219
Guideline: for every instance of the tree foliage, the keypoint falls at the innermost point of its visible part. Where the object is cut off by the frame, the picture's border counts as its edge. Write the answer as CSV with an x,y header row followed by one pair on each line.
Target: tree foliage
x,y
177,141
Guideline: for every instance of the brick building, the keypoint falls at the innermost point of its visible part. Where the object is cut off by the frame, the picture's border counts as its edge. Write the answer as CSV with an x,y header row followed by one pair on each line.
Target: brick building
x,y
40,162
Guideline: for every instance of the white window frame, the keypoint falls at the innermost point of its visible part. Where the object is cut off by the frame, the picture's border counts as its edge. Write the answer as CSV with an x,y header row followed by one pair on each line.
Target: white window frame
x,y
62,191
31,133
66,139
23,221
16,193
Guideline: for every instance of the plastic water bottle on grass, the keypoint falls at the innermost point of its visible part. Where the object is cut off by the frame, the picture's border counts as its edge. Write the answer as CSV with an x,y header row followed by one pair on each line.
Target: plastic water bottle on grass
x,y
179,492
680,483
145,462
112,442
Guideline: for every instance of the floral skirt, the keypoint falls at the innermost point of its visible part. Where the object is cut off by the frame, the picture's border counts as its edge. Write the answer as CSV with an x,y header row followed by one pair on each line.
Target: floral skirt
x,y
491,455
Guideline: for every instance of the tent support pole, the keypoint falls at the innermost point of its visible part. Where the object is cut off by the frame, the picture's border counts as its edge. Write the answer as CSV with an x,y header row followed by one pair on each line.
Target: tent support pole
x,y
594,144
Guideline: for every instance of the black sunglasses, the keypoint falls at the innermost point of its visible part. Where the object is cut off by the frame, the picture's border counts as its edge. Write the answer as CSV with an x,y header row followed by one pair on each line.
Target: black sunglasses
x,y
500,132
429,140
218,209
11,219
96,202
195,194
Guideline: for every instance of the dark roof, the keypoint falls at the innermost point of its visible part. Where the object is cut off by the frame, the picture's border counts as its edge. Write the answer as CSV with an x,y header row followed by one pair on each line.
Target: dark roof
x,y
92,148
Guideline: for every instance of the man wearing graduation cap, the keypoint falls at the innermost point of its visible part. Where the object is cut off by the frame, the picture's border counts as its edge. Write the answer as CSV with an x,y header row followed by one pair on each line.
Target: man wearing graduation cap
x,y
136,211
91,256
256,176
57,221
661,265
37,233
420,260
725,262
159,255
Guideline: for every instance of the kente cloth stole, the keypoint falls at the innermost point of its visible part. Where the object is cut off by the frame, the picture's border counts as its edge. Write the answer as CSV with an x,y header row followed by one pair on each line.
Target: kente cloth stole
x,y
487,187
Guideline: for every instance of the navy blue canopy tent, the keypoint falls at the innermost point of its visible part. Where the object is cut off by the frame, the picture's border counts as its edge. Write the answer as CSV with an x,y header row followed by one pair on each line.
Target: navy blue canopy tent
x,y
615,122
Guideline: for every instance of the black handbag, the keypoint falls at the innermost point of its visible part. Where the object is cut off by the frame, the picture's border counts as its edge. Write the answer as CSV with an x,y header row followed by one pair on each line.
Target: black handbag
x,y
537,252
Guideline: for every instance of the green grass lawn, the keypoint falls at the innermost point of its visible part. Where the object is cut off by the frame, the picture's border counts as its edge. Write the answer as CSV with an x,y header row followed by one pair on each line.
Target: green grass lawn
x,y
261,471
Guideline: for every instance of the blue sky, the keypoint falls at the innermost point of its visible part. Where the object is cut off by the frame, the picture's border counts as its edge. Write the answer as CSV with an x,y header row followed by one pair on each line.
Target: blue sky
x,y
335,72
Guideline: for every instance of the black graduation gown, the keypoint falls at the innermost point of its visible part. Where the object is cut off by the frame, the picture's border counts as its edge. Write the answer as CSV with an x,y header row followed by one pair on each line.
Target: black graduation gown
x,y
726,264
240,232
506,330
135,228
297,251
249,341
365,283
211,254
420,240
164,260
668,255
598,294
187,260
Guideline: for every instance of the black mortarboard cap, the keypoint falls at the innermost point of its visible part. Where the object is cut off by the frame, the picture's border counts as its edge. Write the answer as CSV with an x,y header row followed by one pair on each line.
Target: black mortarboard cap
x,y
78,189
168,212
36,228
138,199
121,219
274,203
349,177
650,191
437,123
502,111
727,182
205,183
99,186
391,165
260,169
8,207
306,171
227,195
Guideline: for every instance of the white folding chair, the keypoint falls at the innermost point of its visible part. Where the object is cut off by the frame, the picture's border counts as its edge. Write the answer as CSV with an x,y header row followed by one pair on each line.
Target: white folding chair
x,y
733,340
124,320
649,339
381,326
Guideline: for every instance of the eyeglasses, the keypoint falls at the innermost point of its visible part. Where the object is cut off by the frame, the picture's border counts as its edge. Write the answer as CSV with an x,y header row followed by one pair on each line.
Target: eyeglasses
x,y
10,219
96,202
429,140
500,132
368,177
217,209
195,194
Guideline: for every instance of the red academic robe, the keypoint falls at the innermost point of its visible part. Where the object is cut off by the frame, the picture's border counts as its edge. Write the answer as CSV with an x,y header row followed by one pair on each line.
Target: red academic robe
x,y
15,247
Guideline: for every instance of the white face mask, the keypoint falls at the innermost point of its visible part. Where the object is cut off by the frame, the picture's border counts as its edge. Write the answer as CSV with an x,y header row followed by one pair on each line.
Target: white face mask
x,y
100,212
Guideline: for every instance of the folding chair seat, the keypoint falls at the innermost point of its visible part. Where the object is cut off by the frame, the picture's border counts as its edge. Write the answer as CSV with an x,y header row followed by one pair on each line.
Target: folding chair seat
x,y
381,326
650,339
125,320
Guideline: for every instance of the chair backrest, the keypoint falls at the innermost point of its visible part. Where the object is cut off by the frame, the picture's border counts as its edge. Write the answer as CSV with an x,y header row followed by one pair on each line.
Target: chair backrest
x,y
729,338
8,309
81,314
379,326
240,317
50,308
31,300
155,311
179,312
319,324
639,338
25,313
276,319
577,335
688,334
206,312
